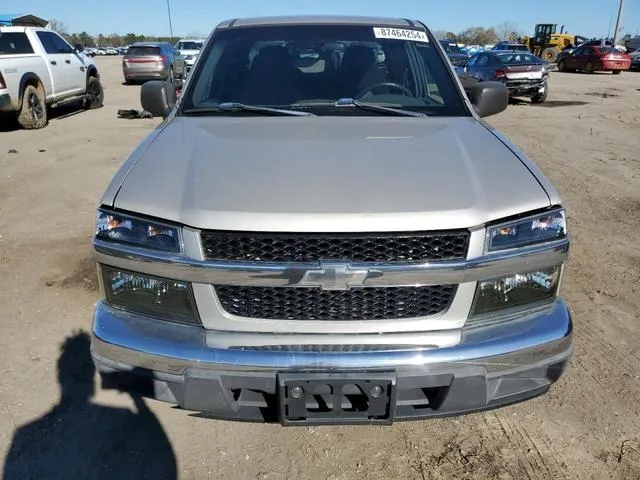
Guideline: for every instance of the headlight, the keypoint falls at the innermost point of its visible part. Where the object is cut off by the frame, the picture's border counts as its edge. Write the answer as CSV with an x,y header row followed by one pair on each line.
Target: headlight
x,y
116,227
519,233
515,290
158,297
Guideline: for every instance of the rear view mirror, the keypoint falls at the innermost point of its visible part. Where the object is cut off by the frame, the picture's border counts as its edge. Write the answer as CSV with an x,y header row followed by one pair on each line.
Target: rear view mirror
x,y
489,98
158,97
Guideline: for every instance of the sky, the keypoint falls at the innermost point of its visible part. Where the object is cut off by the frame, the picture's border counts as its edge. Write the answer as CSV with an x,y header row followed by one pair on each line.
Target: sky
x,y
590,18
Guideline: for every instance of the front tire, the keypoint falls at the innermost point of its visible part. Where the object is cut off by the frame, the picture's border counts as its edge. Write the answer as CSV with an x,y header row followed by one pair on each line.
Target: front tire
x,y
95,94
616,72
549,54
33,111
172,76
588,68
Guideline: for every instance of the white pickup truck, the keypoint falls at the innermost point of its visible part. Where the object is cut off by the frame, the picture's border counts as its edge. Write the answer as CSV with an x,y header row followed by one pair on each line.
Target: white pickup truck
x,y
38,70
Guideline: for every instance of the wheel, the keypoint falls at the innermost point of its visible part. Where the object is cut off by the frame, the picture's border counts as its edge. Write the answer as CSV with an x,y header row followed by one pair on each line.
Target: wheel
x,y
172,76
549,54
561,66
588,68
33,111
95,94
541,97
616,72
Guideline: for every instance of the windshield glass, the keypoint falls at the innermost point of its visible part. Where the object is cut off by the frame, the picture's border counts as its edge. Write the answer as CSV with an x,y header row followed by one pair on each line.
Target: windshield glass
x,y
143,50
189,45
452,48
608,50
518,58
310,67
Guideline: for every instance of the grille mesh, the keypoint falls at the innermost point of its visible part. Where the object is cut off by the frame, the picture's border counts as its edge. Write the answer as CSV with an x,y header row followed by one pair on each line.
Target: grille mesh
x,y
304,247
332,348
280,303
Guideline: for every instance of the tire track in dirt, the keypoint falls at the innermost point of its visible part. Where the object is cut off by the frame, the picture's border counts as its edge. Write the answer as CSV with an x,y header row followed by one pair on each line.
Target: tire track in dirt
x,y
605,354
530,449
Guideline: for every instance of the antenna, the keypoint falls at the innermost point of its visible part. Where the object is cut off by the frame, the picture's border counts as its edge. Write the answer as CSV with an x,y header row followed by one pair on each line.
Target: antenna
x,y
618,25
170,25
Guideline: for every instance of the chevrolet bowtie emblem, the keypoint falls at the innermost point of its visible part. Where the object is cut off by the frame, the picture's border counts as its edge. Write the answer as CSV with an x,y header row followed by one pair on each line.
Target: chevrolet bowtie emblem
x,y
334,276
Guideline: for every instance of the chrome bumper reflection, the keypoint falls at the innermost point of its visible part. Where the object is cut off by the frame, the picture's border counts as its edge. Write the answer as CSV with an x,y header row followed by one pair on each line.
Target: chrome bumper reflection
x,y
125,341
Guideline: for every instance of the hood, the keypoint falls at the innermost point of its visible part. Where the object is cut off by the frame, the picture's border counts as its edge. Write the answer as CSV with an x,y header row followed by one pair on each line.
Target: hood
x,y
328,174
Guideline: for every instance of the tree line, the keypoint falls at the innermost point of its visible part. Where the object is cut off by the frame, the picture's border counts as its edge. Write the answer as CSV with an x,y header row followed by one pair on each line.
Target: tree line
x,y
111,40
506,31
470,36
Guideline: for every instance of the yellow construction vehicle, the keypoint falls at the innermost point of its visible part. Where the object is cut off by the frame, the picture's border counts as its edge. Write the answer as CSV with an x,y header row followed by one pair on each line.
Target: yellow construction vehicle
x,y
546,43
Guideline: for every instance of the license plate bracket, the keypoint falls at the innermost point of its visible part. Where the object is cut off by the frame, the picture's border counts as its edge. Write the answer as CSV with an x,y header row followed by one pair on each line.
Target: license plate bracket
x,y
336,398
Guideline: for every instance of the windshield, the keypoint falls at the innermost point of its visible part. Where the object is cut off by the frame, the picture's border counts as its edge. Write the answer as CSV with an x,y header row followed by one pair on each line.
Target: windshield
x,y
189,45
608,50
452,48
518,59
143,50
311,67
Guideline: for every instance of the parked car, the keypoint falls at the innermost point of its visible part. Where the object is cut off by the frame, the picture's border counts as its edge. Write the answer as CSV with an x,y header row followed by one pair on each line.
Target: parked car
x,y
524,74
454,52
510,47
635,60
329,243
39,69
111,51
591,59
189,49
153,60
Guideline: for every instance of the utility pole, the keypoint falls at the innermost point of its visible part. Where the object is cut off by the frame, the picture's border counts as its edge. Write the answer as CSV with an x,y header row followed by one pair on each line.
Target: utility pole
x,y
616,33
170,25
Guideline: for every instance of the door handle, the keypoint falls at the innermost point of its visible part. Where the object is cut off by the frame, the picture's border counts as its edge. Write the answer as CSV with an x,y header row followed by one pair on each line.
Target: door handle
x,y
53,62
67,61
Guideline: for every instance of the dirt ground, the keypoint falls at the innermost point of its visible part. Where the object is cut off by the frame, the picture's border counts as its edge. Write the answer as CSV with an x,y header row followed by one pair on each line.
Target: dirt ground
x,y
585,138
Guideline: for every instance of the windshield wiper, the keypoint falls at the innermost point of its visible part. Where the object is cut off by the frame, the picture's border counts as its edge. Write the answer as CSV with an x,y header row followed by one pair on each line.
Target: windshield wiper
x,y
372,107
241,107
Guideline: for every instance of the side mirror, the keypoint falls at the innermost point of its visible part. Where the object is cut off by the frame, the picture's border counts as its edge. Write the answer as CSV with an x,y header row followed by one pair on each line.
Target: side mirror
x,y
158,97
489,98
78,48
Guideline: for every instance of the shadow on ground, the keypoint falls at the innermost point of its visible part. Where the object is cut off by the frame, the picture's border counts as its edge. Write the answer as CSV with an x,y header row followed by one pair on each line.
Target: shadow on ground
x,y
8,121
547,103
79,439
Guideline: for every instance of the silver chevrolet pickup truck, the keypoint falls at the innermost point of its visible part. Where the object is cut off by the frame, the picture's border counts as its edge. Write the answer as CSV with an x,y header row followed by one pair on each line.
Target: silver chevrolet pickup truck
x,y
324,230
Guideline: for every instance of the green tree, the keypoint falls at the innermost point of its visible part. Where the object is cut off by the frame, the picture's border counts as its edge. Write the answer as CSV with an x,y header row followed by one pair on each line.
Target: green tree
x,y
85,39
478,36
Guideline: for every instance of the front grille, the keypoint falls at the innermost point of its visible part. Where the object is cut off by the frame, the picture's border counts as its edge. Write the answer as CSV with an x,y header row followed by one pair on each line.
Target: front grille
x,y
332,348
281,303
313,247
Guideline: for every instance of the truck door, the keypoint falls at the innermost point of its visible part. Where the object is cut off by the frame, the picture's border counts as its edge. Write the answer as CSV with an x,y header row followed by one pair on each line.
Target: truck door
x,y
59,56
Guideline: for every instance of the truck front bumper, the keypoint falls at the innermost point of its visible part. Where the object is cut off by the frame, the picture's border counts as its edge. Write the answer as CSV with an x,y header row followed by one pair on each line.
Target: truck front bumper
x,y
493,366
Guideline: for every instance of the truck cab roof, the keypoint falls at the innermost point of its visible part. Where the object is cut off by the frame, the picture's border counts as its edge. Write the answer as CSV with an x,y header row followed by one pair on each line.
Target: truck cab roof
x,y
319,20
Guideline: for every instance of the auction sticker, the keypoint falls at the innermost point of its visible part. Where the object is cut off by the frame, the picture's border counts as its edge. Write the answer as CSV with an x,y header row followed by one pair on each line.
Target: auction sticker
x,y
401,34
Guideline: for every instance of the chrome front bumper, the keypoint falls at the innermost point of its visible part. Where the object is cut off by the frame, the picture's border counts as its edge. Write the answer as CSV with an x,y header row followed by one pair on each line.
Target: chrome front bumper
x,y
491,366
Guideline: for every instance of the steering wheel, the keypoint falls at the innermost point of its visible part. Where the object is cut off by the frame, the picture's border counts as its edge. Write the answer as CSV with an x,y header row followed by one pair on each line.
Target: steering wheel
x,y
395,85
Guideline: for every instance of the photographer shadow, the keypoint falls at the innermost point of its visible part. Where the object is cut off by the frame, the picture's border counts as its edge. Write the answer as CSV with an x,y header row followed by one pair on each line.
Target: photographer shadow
x,y
80,439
